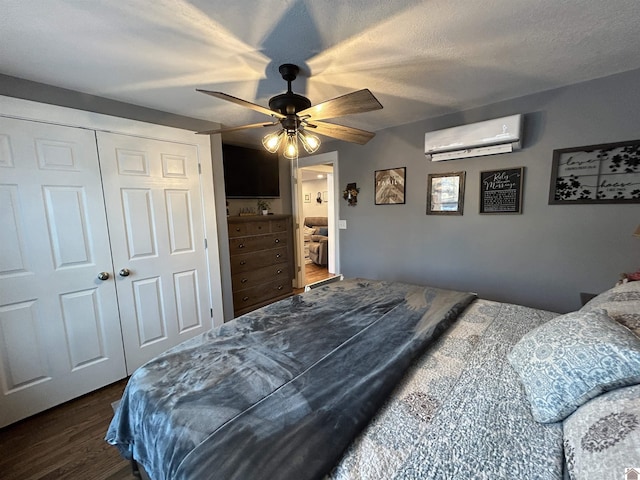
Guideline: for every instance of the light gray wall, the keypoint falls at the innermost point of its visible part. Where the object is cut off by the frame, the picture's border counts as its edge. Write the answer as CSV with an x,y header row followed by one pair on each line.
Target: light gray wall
x,y
543,258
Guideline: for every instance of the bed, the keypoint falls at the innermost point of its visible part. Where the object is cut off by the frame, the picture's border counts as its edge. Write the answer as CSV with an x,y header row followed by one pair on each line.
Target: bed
x,y
365,379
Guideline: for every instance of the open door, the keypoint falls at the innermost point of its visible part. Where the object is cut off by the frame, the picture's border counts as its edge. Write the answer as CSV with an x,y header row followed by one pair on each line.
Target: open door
x,y
323,160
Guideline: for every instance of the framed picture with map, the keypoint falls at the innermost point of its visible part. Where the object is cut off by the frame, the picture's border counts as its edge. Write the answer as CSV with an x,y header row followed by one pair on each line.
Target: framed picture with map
x,y
606,173
445,193
390,186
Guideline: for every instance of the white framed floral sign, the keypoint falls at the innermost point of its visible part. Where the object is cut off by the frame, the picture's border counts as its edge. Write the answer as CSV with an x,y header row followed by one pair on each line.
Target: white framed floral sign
x,y
606,173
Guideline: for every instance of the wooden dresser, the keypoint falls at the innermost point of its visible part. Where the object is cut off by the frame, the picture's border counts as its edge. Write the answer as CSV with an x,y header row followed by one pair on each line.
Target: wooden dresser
x,y
261,250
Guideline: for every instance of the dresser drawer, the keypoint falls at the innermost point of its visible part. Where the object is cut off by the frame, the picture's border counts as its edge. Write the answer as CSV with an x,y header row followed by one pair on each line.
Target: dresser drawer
x,y
256,243
243,280
257,228
254,260
279,225
250,296
237,229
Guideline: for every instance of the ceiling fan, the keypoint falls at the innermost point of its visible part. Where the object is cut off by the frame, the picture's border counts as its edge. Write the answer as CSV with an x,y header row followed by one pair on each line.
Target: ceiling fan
x,y
300,120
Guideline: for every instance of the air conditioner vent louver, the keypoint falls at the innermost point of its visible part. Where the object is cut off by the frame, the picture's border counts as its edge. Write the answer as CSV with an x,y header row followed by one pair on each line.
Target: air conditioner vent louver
x,y
500,135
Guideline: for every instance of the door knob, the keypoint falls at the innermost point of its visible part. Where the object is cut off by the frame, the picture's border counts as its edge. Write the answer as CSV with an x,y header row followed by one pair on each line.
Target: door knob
x,y
124,272
103,276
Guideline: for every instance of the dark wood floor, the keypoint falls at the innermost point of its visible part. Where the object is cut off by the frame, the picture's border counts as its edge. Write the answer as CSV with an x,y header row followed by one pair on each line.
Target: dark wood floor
x,y
67,442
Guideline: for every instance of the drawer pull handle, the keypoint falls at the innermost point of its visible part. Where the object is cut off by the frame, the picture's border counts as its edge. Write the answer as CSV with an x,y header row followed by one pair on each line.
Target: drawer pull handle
x,y
243,262
277,240
237,229
244,299
244,280
279,271
241,245
278,255
280,287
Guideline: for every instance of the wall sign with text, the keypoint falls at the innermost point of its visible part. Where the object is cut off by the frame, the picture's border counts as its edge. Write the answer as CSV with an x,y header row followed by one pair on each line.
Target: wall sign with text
x,y
390,186
501,190
607,173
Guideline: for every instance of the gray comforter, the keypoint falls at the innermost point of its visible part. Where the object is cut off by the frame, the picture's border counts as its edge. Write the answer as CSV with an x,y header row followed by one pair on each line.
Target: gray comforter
x,y
282,391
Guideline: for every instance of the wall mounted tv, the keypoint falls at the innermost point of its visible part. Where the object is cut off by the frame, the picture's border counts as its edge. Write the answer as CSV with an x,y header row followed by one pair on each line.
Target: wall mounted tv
x,y
250,173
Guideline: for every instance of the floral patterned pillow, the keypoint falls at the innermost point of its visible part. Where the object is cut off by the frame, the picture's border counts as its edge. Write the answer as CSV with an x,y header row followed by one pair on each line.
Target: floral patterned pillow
x,y
602,437
622,303
573,358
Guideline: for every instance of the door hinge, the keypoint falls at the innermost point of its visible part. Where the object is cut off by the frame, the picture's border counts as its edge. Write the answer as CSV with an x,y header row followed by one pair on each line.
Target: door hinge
x,y
211,312
206,245
200,169
299,269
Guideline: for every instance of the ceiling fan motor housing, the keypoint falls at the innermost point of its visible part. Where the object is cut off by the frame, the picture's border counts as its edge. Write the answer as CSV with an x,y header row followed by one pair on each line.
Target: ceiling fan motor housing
x,y
289,103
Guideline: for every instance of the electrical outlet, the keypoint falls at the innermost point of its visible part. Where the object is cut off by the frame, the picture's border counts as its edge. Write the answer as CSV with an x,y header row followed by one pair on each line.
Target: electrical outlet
x,y
342,224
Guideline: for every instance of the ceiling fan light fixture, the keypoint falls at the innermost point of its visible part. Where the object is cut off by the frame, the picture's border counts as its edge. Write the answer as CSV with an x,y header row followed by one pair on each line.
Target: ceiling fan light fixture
x,y
272,141
291,147
310,142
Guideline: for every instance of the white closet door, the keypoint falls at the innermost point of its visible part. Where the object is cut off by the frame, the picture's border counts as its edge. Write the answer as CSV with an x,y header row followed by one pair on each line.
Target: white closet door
x,y
155,215
59,327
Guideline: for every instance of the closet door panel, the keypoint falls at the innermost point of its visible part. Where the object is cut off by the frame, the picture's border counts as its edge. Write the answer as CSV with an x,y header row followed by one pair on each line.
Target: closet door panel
x,y
59,328
156,220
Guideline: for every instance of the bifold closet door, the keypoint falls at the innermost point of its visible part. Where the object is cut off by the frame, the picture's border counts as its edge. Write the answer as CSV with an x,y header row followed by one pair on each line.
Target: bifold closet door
x,y
156,222
60,332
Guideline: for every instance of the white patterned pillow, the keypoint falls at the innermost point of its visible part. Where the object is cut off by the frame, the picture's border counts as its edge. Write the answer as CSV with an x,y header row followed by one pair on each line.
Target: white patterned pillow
x,y
602,437
622,303
573,358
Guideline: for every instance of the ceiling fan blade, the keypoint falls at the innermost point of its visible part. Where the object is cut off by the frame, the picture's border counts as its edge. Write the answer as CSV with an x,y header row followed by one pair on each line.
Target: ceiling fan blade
x,y
355,102
232,129
348,134
242,103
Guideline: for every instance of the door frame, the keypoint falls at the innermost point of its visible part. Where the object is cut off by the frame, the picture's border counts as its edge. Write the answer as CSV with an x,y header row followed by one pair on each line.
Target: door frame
x,y
332,217
45,113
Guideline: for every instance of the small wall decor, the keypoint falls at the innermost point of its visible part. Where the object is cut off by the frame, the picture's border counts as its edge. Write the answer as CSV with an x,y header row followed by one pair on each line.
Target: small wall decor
x,y
325,196
319,198
606,173
307,198
501,190
350,194
445,193
389,186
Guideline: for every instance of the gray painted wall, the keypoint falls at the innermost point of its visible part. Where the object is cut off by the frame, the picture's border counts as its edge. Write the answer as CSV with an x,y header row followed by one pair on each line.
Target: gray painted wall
x,y
543,258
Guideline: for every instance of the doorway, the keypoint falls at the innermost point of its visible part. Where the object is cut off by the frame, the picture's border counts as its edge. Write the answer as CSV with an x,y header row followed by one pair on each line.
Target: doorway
x,y
314,196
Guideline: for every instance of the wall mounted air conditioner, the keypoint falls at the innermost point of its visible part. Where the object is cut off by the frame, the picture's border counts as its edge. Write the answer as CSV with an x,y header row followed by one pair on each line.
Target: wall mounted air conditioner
x,y
500,135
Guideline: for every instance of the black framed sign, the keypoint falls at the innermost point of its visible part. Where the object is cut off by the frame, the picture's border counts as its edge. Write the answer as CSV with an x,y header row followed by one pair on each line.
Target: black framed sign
x,y
389,186
606,173
501,190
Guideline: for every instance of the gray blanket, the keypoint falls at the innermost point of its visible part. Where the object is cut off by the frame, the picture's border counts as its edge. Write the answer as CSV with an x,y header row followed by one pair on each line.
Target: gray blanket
x,y
282,391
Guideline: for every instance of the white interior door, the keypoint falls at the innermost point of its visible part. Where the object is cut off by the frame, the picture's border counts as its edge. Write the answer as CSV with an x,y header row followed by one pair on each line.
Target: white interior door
x,y
155,215
59,327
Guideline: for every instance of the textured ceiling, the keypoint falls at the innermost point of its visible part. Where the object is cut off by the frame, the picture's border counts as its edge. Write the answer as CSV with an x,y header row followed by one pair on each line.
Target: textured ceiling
x,y
421,59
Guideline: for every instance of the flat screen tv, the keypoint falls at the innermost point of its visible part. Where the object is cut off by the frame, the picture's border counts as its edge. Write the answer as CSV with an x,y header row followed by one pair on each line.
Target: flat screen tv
x,y
250,173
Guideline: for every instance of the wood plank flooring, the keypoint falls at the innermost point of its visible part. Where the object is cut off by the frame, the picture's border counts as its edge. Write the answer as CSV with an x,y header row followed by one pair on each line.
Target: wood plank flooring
x,y
67,442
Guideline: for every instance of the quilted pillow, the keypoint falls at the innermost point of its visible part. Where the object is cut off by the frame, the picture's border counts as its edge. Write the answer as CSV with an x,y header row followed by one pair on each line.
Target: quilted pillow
x,y
573,358
622,303
602,437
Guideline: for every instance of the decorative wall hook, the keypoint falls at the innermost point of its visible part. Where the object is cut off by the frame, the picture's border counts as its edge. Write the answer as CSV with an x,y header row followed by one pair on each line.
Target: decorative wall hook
x,y
350,194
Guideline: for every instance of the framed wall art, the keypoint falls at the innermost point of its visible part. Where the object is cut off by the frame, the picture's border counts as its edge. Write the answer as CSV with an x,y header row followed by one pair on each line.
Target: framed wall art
x,y
501,190
445,193
390,186
307,198
606,173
